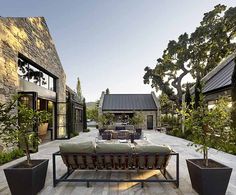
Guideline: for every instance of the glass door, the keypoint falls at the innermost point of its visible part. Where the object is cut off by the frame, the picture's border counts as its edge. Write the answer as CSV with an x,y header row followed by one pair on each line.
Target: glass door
x,y
46,130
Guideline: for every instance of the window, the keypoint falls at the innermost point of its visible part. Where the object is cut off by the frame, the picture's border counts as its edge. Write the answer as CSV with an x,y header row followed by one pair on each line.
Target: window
x,y
34,75
51,83
81,116
29,72
45,81
22,69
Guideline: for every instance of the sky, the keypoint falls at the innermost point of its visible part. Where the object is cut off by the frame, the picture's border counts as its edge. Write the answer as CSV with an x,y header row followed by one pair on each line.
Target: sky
x,y
108,43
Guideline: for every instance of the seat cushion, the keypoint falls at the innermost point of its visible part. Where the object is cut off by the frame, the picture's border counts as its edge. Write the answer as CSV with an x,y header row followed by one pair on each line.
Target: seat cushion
x,y
153,160
78,161
113,148
129,127
84,147
152,149
121,159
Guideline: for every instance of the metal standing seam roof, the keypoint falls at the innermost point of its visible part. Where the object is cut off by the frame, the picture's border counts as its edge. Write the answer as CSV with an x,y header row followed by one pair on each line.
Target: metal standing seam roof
x,y
221,79
128,102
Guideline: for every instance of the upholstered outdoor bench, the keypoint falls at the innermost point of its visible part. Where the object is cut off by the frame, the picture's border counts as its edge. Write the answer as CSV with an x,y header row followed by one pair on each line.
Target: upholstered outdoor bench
x,y
116,156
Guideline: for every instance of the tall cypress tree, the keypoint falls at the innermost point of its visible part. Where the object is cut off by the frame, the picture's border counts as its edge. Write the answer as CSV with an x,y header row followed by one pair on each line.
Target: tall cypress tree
x,y
107,91
233,95
84,115
188,97
78,90
197,93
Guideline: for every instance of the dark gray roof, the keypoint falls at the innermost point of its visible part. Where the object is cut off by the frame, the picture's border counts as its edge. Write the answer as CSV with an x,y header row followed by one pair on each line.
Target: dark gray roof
x,y
128,102
221,79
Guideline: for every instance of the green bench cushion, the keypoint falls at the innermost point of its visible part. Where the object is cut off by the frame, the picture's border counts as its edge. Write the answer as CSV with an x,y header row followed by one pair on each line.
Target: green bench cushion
x,y
152,149
78,161
152,161
108,161
113,148
84,147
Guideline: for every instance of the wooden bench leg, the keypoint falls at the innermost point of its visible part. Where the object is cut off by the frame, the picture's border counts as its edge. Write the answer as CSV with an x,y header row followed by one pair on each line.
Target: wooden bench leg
x,y
87,184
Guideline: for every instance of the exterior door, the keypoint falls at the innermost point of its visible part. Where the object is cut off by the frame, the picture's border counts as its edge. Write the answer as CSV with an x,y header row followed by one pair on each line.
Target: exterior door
x,y
150,122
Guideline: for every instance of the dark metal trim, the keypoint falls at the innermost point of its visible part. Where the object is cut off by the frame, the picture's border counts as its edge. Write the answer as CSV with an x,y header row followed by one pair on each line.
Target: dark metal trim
x,y
166,174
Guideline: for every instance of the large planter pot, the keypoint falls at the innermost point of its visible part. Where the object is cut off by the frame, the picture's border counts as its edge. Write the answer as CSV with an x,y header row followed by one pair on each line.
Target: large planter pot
x,y
24,180
208,180
42,130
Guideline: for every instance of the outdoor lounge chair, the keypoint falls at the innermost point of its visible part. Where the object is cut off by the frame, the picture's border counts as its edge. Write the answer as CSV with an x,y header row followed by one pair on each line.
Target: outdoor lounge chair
x,y
85,156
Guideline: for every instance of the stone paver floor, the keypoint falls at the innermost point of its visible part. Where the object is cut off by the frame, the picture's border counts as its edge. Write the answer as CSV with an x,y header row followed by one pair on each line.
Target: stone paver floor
x,y
177,144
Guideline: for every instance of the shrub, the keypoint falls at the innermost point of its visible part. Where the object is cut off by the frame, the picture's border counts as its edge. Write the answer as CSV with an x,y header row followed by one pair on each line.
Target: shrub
x,y
209,127
74,133
9,156
137,119
86,130
18,127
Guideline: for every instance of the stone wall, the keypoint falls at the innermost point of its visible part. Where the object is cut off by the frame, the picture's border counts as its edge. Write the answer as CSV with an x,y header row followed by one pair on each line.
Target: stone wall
x,y
155,114
146,113
31,38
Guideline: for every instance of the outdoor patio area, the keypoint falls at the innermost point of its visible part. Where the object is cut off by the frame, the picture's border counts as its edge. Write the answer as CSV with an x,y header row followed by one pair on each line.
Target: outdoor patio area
x,y
177,144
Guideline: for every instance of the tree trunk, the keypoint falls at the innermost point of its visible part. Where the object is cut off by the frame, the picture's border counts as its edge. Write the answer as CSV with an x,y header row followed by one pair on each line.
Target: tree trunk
x,y
206,156
27,150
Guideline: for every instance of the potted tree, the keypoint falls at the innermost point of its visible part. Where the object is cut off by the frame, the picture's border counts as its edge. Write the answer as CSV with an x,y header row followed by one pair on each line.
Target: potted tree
x,y
208,126
28,176
137,120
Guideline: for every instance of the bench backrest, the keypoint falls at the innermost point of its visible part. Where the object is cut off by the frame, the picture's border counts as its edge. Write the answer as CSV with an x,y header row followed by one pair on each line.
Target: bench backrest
x,y
116,156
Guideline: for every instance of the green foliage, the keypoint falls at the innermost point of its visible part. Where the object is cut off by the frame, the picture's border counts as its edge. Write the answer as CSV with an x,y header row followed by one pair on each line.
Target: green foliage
x,y
175,58
86,130
19,126
213,40
167,105
9,156
74,133
8,120
188,98
176,132
197,93
84,115
106,119
170,120
209,127
137,119
107,91
196,54
233,95
92,114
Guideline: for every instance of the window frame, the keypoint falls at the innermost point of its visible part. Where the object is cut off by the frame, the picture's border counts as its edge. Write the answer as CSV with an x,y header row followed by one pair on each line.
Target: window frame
x,y
50,76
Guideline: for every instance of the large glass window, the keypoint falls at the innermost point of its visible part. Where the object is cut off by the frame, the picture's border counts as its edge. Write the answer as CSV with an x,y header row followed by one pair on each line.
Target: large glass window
x,y
45,81
51,84
34,75
22,69
29,72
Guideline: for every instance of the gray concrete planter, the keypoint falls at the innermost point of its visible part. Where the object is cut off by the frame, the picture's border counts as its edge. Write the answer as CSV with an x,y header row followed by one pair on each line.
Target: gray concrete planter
x,y
207,180
27,181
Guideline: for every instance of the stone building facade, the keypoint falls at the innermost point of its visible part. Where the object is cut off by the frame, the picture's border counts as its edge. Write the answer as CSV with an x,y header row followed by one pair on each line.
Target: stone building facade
x,y
123,106
28,41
